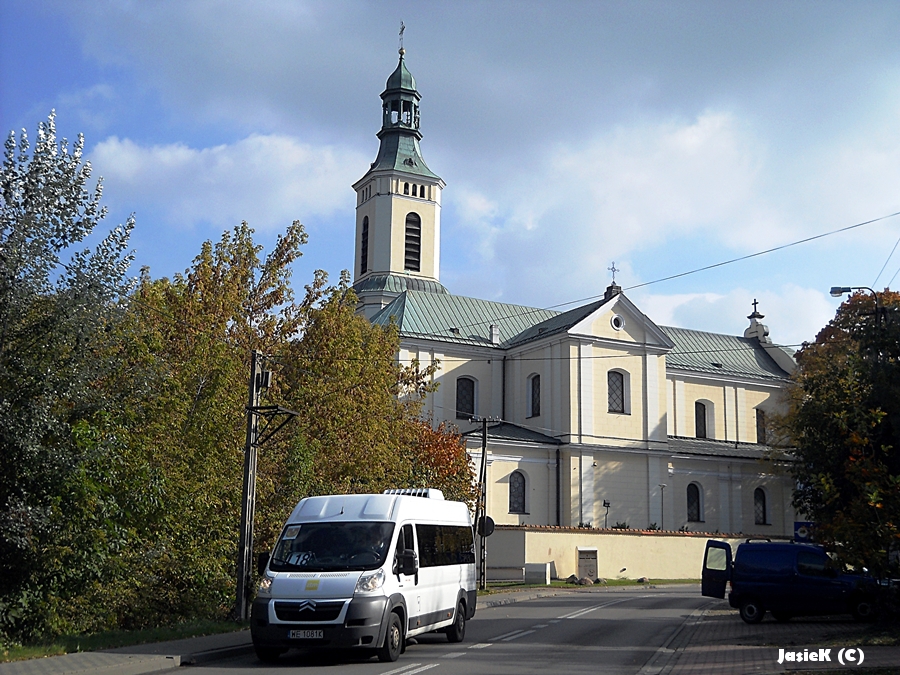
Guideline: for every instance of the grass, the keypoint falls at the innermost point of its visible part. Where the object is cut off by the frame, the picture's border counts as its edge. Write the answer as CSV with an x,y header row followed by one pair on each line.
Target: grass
x,y
67,644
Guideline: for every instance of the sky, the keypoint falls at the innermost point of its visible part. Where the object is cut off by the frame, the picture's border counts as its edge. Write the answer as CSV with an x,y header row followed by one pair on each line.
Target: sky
x,y
660,136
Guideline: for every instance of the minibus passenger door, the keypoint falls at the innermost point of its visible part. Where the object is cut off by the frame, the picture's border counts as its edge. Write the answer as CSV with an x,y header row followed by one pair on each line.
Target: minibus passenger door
x,y
716,569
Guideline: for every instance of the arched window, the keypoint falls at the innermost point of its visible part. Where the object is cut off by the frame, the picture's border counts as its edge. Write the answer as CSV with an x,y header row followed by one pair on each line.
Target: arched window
x,y
517,492
406,188
465,397
694,504
760,426
700,419
615,386
413,243
415,190
760,517
534,395
364,247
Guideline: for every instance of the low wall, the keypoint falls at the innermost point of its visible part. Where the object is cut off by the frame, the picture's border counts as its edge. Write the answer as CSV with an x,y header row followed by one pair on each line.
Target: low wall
x,y
652,554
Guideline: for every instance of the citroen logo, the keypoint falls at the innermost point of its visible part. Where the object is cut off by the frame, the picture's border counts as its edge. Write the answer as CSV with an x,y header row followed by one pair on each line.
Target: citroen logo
x,y
306,604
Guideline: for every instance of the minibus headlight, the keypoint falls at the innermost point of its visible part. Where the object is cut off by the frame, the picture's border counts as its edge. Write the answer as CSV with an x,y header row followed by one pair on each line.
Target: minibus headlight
x,y
369,583
265,586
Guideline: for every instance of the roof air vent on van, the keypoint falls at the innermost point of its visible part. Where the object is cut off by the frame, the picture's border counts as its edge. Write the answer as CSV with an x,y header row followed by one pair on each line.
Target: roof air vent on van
x,y
429,493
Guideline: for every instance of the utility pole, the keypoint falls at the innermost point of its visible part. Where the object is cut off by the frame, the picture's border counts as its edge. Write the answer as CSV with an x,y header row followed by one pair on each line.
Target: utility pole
x,y
260,379
248,501
483,525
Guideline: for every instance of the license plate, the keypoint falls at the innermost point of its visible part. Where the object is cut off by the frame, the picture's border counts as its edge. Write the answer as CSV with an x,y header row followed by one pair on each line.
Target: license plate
x,y
305,635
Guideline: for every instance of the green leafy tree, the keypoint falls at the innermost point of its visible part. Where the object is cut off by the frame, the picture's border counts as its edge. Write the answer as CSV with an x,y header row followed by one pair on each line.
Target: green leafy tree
x,y
843,426
56,305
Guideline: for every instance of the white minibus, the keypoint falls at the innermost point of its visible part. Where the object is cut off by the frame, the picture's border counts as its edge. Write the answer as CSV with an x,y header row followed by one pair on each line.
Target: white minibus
x,y
366,572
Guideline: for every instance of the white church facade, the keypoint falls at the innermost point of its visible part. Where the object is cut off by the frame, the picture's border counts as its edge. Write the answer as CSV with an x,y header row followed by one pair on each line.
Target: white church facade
x,y
606,418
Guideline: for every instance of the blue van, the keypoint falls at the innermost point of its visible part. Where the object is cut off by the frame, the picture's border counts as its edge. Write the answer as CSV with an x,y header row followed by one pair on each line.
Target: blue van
x,y
786,579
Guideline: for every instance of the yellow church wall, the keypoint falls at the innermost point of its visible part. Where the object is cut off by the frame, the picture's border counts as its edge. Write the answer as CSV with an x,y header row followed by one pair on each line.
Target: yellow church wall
x,y
610,427
633,331
539,469
621,479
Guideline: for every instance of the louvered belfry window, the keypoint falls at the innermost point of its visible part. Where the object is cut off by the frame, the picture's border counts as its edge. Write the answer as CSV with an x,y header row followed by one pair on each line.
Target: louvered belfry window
x,y
412,260
364,243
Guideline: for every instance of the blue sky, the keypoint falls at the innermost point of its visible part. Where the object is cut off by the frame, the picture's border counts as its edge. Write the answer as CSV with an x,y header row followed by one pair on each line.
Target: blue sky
x,y
664,136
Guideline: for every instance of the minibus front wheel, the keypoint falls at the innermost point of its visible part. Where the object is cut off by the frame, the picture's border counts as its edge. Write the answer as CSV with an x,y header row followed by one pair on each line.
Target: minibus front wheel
x,y
393,640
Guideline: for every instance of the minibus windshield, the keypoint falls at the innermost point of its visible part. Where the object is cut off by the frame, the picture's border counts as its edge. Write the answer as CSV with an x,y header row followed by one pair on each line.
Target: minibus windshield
x,y
324,547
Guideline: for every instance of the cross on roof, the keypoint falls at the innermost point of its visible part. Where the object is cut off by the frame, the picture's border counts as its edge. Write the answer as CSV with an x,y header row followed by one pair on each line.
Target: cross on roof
x,y
613,270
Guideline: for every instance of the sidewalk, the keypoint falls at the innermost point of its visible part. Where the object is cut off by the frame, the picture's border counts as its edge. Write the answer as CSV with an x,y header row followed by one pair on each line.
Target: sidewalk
x,y
138,659
717,642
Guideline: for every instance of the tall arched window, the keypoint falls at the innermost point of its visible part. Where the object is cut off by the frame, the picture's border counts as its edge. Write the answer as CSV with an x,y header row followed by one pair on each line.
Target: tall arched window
x,y
413,243
615,386
534,395
694,504
760,517
517,492
700,419
364,244
465,397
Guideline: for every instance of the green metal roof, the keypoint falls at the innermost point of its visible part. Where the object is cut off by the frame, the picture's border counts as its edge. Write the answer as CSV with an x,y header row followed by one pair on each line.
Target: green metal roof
x,y
434,316
397,283
401,78
399,151
720,354
507,431
458,319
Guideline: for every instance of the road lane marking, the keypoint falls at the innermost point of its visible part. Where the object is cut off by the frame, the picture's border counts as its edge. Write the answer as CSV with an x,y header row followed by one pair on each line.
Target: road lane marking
x,y
397,671
453,655
506,635
480,645
540,625
419,670
582,612
554,620
516,637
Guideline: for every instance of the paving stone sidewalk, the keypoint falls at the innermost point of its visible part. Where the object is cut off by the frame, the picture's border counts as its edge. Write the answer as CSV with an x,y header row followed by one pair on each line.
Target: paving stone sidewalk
x,y
717,642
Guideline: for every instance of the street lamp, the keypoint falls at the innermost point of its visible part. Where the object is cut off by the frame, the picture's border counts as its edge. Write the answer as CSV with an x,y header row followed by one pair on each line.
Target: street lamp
x,y
606,517
838,291
662,504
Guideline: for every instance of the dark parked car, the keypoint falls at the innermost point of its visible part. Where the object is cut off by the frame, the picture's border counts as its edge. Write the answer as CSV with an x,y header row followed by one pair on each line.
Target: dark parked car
x,y
786,579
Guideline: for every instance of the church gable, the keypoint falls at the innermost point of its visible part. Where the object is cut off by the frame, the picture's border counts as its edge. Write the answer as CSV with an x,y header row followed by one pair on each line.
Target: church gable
x,y
620,320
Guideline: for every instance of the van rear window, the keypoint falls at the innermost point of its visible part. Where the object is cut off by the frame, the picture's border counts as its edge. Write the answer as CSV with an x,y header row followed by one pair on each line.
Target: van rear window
x,y
445,545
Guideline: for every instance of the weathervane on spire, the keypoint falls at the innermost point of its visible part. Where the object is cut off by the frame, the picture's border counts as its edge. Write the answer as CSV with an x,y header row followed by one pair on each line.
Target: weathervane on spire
x,y
613,270
402,28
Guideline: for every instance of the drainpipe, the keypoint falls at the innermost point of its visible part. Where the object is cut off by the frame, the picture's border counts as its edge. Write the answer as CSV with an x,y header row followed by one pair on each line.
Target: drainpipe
x,y
503,391
558,486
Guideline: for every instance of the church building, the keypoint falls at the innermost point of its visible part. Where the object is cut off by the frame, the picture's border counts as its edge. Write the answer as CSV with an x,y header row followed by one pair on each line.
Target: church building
x,y
605,419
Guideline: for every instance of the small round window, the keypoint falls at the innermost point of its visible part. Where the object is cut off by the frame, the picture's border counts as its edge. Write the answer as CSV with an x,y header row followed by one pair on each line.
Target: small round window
x,y
618,323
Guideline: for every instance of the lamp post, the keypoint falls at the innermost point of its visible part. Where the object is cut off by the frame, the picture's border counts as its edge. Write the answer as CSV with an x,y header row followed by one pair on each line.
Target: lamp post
x,y
838,291
606,517
662,506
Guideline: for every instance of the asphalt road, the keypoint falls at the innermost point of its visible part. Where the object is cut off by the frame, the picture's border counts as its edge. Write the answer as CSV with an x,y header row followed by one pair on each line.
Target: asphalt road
x,y
576,632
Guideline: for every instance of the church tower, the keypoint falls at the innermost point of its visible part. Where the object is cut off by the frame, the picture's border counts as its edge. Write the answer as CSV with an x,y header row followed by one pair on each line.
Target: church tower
x,y
398,206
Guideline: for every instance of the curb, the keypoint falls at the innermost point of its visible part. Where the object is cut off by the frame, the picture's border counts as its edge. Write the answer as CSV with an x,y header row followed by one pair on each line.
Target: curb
x,y
211,655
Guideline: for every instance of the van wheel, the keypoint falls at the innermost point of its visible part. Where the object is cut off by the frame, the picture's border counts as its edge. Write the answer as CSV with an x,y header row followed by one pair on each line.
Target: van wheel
x,y
457,632
393,641
752,611
267,654
782,617
863,610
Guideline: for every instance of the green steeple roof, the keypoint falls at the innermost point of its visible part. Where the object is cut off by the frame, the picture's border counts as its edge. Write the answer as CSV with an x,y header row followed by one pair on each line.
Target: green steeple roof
x,y
399,134
401,78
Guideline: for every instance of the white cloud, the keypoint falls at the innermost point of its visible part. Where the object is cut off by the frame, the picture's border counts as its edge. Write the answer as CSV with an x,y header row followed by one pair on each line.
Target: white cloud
x,y
793,314
268,180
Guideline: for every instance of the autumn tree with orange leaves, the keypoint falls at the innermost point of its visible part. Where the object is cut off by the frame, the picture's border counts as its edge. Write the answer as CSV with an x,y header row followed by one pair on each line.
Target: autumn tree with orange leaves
x,y
843,425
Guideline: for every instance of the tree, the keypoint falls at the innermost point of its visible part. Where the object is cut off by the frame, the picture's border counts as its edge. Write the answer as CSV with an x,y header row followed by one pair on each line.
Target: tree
x,y
843,425
55,308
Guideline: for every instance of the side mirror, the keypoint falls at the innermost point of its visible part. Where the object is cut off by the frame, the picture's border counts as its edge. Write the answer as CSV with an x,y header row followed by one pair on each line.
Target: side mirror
x,y
409,562
262,562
